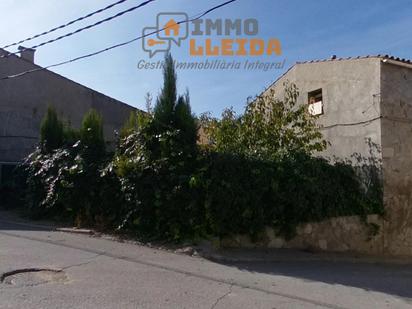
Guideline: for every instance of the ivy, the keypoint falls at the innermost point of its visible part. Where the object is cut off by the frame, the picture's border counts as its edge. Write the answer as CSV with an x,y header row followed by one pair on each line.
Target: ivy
x,y
258,170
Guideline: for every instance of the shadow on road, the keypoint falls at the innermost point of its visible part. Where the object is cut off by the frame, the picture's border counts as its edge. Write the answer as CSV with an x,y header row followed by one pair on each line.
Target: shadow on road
x,y
6,225
385,278
394,279
10,221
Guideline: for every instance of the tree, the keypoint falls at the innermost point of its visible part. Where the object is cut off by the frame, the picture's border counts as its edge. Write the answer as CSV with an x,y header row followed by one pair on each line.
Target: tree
x,y
149,99
131,125
91,136
157,164
173,112
270,128
51,131
166,102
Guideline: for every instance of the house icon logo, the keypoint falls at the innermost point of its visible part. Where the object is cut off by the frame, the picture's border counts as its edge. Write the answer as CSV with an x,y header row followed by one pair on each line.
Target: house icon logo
x,y
174,32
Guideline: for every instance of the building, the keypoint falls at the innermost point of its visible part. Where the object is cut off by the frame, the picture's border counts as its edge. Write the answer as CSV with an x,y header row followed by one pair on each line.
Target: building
x,y
25,99
359,100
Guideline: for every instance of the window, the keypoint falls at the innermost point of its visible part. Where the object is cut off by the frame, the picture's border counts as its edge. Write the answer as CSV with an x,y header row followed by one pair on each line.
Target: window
x,y
315,102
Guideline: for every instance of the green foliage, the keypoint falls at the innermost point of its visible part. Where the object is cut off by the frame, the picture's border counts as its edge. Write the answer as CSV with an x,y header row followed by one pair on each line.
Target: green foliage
x,y
166,102
156,163
244,195
259,172
269,128
91,136
131,125
174,113
159,186
51,131
74,182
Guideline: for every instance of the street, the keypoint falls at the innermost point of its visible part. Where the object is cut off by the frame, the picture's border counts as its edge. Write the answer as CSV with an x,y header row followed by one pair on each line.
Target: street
x,y
64,270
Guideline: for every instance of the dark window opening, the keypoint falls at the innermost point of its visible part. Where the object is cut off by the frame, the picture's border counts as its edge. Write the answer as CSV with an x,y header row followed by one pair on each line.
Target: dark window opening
x,y
315,101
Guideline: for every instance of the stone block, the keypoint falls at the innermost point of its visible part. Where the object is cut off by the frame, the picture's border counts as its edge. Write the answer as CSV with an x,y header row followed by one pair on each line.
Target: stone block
x,y
323,244
277,243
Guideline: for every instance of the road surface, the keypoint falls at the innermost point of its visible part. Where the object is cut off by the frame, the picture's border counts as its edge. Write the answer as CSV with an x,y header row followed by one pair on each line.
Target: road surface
x,y
79,271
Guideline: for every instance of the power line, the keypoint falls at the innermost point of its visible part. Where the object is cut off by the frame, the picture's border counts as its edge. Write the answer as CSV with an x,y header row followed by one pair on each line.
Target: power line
x,y
117,45
81,29
66,25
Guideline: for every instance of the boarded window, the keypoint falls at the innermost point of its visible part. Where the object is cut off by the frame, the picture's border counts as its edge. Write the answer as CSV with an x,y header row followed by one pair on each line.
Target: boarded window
x,y
315,101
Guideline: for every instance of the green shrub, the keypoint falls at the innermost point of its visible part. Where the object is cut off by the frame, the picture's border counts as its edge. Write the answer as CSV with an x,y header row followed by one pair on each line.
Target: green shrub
x,y
131,125
239,194
51,131
244,195
157,163
91,136
260,172
269,128
74,182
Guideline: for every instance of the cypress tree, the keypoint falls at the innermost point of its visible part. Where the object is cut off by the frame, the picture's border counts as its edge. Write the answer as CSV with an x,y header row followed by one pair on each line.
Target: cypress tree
x,y
91,136
174,112
51,131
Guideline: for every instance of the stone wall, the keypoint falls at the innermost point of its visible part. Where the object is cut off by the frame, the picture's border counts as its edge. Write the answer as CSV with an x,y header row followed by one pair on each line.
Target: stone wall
x,y
342,234
396,106
364,99
350,90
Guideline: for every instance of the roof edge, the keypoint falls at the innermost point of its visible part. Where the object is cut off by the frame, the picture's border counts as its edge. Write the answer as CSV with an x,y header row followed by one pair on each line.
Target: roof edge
x,y
5,52
388,58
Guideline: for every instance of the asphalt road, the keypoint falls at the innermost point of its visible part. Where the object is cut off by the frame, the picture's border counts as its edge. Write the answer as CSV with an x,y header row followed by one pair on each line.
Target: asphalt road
x,y
92,272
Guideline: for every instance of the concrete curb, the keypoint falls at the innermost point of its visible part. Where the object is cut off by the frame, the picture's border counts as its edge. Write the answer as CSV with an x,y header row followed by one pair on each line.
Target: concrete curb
x,y
75,231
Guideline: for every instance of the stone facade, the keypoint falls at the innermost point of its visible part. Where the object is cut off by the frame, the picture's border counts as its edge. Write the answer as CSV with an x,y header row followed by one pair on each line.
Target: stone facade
x,y
24,101
350,91
337,235
396,127
367,112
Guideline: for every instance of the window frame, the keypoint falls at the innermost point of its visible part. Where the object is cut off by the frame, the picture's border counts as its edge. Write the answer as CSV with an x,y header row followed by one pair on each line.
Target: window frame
x,y
317,95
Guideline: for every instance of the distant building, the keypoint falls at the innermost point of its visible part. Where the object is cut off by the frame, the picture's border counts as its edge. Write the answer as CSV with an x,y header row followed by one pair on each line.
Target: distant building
x,y
24,101
360,99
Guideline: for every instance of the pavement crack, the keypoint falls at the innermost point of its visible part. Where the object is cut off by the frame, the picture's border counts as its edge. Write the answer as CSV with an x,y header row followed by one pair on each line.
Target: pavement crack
x,y
90,260
222,297
174,269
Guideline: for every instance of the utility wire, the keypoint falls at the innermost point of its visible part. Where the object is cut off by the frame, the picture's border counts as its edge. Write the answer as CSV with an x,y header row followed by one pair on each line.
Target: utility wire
x,y
66,25
117,45
81,29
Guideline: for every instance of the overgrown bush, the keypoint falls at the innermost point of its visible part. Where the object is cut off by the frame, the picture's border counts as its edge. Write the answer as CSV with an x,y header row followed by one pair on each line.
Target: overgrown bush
x,y
163,196
244,195
270,128
72,182
157,163
259,171
239,194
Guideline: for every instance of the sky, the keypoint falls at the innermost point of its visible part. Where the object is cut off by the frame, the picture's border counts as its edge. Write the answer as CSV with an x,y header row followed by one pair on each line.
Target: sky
x,y
306,30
